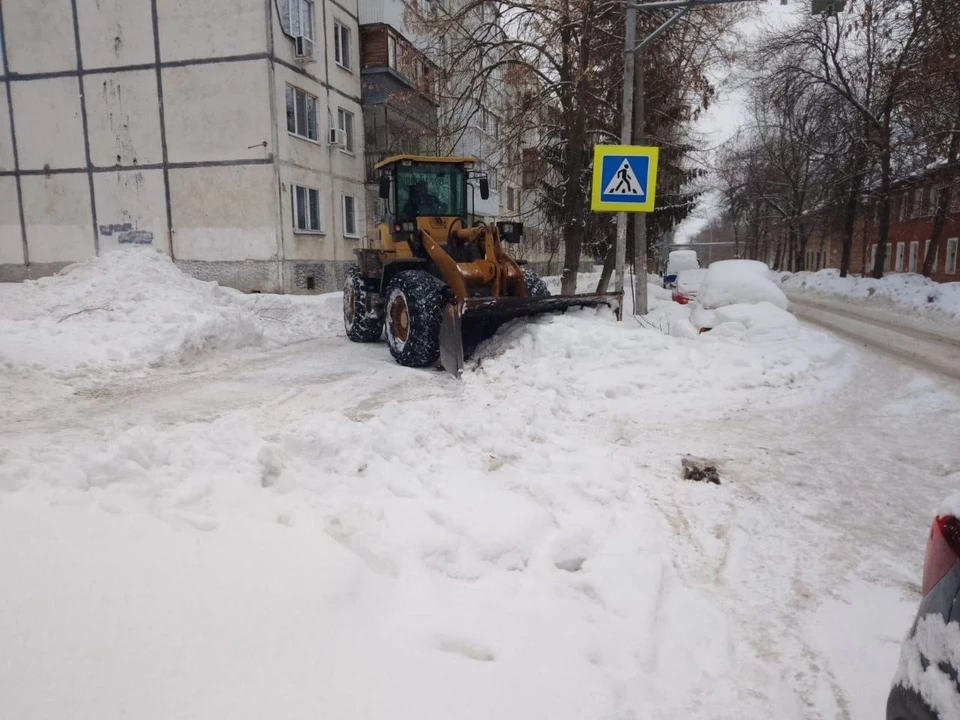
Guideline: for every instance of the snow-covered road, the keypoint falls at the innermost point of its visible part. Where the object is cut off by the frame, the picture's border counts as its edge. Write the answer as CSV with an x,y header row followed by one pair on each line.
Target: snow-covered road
x,y
304,529
926,345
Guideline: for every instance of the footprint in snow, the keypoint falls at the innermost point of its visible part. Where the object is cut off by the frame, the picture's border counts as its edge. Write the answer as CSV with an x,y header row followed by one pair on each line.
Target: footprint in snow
x,y
470,649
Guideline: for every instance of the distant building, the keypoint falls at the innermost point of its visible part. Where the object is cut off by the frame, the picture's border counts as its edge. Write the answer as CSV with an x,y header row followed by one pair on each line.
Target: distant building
x,y
226,133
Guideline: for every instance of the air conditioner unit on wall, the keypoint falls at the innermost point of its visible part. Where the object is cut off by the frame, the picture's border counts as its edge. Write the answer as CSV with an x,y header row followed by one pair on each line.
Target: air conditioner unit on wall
x,y
338,137
304,47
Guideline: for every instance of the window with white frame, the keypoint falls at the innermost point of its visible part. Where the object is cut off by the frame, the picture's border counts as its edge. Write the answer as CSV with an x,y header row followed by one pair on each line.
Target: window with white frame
x,y
297,17
936,255
345,123
914,252
342,42
873,255
904,206
351,226
307,216
951,267
392,50
301,113
899,266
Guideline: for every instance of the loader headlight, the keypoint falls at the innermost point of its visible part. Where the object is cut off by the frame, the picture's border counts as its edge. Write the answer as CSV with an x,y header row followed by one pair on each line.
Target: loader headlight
x,y
409,227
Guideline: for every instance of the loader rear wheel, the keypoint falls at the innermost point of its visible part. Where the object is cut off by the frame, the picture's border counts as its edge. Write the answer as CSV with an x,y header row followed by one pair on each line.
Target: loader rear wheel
x,y
361,325
536,287
413,315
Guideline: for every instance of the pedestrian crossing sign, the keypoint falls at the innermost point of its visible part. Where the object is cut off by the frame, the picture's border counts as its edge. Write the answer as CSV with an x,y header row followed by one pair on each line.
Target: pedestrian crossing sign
x,y
624,178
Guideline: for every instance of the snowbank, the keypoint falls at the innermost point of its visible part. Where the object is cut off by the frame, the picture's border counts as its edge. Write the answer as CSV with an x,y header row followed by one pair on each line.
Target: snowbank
x,y
729,282
903,292
132,309
760,322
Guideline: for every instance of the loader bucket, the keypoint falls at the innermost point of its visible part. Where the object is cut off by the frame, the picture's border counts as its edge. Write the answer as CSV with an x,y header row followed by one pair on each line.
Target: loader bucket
x,y
466,324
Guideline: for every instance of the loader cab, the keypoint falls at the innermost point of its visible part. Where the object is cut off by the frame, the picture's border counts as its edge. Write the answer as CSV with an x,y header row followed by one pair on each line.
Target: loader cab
x,y
429,192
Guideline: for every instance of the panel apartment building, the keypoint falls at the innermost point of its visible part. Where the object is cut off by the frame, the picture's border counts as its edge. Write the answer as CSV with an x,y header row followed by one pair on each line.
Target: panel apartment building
x,y
225,133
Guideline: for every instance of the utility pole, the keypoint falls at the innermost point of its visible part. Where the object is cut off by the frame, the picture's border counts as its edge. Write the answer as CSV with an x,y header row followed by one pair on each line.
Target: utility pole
x,y
639,219
626,131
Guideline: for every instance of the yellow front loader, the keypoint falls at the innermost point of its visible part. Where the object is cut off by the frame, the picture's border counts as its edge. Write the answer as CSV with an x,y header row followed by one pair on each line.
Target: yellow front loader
x,y
435,284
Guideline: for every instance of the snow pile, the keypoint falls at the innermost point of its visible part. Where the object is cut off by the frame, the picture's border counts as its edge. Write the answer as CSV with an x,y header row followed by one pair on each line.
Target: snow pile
x,y
950,506
939,643
132,308
903,292
730,282
753,323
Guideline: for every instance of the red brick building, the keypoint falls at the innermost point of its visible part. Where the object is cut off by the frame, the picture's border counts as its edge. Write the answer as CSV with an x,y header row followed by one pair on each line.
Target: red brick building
x,y
911,225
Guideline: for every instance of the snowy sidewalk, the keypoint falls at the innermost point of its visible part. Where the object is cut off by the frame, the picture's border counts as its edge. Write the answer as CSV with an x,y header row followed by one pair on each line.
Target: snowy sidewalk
x,y
301,528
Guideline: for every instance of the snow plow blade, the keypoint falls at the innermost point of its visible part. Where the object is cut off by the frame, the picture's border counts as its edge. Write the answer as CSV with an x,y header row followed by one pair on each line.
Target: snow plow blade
x,y
466,324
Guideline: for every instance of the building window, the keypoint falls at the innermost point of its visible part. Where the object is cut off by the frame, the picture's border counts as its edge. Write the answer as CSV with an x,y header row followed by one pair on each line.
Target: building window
x,y
873,255
490,123
899,266
904,206
341,45
306,209
951,268
914,251
297,17
345,123
350,216
934,200
301,113
936,255
510,199
392,51
917,203
955,197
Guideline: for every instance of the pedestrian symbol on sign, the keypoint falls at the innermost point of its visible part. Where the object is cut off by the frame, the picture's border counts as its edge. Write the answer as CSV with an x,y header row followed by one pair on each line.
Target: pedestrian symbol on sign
x,y
624,182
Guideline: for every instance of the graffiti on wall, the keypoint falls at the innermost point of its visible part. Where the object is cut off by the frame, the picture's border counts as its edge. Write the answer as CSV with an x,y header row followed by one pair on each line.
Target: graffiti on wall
x,y
126,235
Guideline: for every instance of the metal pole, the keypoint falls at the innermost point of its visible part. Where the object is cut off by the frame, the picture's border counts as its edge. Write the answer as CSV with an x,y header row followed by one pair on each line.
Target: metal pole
x,y
639,219
626,131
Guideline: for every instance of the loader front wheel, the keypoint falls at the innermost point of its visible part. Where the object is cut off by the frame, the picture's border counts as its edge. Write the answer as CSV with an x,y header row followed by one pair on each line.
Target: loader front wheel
x,y
536,287
362,324
414,313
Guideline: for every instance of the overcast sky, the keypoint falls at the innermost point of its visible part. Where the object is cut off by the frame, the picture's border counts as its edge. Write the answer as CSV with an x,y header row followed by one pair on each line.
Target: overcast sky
x,y
728,113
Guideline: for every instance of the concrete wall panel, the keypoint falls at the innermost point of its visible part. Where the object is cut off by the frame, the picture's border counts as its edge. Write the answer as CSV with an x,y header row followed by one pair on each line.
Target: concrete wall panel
x,y
115,32
131,210
39,35
11,242
123,116
49,127
6,139
217,112
214,28
224,213
57,213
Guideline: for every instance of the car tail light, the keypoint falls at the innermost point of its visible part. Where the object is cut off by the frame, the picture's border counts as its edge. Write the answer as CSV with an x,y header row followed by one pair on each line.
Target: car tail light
x,y
682,299
943,550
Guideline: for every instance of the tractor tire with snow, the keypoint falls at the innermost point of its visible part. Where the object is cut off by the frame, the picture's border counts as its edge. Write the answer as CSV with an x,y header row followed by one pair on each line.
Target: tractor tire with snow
x,y
536,287
361,325
414,313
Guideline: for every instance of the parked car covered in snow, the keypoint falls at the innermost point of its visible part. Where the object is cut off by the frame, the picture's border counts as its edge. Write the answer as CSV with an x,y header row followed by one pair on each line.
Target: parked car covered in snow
x,y
677,261
742,292
687,286
926,686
